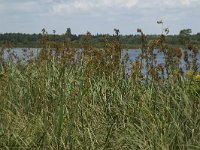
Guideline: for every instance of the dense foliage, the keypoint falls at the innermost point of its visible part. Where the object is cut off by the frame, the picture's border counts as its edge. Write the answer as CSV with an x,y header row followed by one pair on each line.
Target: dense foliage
x,y
63,99
98,40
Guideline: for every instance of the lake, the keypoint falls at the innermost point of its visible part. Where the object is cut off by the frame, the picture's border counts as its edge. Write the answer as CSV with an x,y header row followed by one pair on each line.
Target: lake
x,y
132,53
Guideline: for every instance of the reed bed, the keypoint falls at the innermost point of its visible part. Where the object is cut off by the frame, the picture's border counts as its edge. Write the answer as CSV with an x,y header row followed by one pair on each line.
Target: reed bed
x,y
65,100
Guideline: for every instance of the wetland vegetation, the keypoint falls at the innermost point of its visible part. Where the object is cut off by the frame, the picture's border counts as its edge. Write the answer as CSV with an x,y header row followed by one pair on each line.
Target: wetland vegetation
x,y
59,100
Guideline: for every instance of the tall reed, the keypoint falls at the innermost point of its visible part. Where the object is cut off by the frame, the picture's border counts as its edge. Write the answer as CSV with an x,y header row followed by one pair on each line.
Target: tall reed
x,y
68,100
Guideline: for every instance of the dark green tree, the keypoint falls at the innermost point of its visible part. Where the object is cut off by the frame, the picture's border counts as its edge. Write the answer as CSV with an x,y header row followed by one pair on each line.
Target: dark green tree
x,y
184,36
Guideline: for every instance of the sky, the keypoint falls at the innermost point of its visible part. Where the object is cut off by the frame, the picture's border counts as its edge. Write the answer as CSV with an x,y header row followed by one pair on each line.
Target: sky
x,y
99,16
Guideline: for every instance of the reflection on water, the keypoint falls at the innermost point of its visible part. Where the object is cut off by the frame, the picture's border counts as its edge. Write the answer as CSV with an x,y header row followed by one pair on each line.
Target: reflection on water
x,y
132,54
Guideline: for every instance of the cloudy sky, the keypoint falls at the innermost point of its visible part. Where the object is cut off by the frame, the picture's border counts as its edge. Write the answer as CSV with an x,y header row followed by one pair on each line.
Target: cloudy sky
x,y
98,16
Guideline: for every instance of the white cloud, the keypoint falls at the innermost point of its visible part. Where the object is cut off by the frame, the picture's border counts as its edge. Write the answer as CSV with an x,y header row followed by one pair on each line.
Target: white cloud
x,y
72,6
95,6
88,5
156,4
99,15
190,2
119,3
22,6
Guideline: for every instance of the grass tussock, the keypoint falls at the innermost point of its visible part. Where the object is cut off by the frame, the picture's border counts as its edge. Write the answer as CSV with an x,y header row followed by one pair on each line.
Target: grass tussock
x,y
63,99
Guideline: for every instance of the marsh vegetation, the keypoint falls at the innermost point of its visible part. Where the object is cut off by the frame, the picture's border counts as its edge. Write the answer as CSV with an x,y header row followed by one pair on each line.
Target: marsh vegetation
x,y
59,100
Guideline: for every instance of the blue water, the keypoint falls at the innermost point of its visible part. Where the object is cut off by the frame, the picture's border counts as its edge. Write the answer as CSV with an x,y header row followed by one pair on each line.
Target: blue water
x,y
24,54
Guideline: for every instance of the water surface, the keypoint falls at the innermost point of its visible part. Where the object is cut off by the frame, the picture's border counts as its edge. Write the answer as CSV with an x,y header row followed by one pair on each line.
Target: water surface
x,y
132,54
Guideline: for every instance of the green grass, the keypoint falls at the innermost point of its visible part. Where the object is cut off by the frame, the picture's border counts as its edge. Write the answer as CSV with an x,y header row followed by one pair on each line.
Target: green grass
x,y
48,105
57,102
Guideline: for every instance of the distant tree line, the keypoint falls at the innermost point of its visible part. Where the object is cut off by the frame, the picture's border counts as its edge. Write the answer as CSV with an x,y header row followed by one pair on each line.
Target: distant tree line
x,y
98,40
